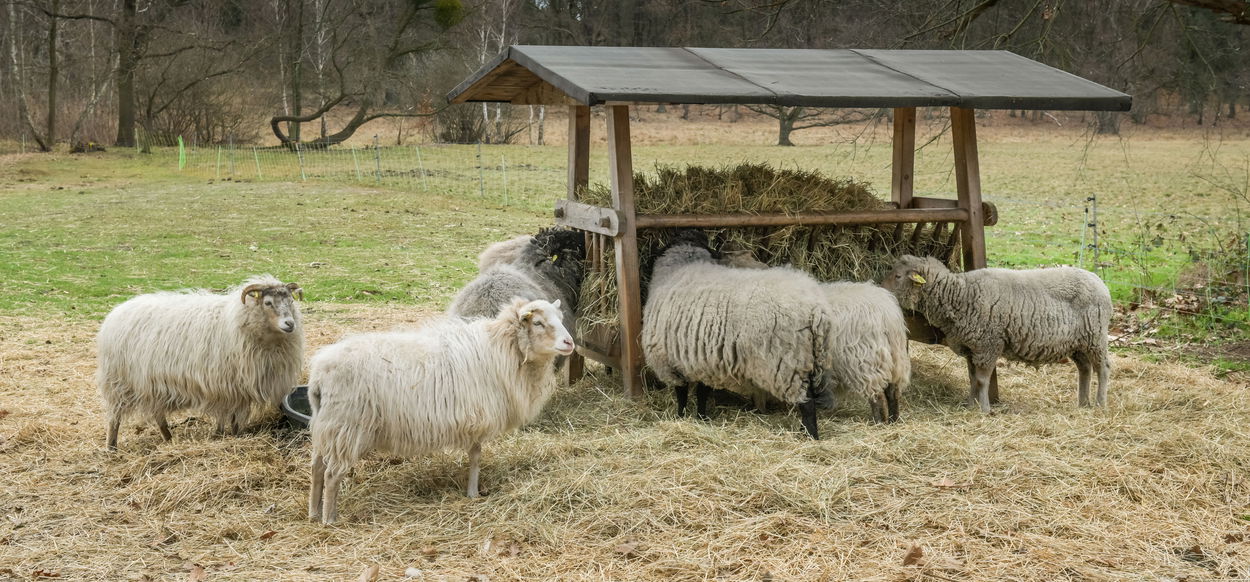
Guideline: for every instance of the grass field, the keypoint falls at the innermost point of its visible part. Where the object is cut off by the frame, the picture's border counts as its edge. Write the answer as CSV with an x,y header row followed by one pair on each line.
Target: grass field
x,y
600,488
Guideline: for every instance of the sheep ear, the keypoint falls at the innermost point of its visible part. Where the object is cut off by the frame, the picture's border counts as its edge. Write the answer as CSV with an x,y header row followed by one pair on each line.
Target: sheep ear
x,y
917,278
296,291
253,291
556,304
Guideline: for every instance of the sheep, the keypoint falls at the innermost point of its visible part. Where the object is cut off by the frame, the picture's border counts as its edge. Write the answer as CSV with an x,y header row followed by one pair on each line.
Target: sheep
x,y
736,329
1036,316
221,354
549,267
502,252
868,355
453,383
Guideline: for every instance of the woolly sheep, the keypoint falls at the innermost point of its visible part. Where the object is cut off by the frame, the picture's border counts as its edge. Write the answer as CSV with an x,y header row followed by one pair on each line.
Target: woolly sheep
x,y
548,267
1036,316
868,354
736,329
221,354
453,383
502,252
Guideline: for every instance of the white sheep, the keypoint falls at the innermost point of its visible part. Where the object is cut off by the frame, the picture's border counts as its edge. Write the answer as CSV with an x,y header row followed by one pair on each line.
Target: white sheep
x,y
1037,316
869,352
736,329
220,354
453,383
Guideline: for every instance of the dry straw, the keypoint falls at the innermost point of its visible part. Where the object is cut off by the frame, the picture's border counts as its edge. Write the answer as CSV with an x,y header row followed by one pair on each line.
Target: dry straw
x,y
1155,487
857,253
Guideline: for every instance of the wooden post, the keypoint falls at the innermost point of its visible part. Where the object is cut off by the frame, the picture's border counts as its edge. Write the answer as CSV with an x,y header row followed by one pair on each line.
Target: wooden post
x,y
904,165
579,177
621,167
968,183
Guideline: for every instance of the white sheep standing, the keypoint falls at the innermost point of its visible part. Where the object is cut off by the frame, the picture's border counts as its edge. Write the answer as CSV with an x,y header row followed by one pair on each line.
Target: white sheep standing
x,y
453,383
869,353
1037,316
736,329
220,354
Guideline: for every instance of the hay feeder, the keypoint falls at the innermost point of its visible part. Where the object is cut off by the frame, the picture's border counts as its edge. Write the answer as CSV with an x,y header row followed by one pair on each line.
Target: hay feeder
x,y
615,77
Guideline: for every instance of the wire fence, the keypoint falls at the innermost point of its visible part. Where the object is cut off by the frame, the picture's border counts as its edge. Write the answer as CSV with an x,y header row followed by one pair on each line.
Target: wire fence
x,y
1177,262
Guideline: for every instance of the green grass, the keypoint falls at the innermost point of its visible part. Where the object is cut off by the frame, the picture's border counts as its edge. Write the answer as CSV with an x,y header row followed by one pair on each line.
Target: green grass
x,y
405,223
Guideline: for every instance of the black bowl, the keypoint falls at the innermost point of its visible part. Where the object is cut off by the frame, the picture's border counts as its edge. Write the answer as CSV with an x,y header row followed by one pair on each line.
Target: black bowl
x,y
296,407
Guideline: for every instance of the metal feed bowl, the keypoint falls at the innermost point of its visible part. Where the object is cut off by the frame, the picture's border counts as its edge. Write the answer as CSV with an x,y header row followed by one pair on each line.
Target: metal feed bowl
x,y
296,407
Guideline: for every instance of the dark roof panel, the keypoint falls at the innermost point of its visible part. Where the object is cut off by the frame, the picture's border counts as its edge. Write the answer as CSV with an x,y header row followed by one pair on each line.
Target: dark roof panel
x,y
809,77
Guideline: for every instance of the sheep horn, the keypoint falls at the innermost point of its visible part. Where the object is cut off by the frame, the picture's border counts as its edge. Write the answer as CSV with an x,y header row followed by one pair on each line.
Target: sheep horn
x,y
296,291
253,290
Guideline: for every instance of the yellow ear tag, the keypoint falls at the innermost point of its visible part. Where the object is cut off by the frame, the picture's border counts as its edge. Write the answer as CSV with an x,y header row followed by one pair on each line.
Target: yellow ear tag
x,y
917,279
254,294
554,257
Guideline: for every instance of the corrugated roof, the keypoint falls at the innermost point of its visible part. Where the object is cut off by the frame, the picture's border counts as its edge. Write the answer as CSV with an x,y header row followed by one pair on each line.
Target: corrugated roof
x,y
808,77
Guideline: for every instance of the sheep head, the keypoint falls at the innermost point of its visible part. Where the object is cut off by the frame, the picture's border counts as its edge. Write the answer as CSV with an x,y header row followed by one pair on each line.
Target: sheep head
x,y
912,277
539,327
274,302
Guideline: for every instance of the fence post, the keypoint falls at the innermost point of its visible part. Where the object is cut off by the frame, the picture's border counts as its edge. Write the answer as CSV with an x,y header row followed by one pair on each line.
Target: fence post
x,y
256,157
1093,223
232,156
377,160
299,154
503,165
182,154
425,184
481,181
356,162
217,173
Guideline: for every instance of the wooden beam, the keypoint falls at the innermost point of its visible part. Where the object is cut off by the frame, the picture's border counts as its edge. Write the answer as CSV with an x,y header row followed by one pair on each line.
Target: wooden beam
x,y
579,177
542,93
807,218
968,184
628,280
904,165
587,217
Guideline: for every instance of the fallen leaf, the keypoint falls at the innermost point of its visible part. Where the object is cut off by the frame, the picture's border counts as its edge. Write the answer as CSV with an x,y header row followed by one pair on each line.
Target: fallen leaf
x,y
268,534
948,483
370,574
197,574
1232,538
45,574
429,552
3,413
627,549
913,556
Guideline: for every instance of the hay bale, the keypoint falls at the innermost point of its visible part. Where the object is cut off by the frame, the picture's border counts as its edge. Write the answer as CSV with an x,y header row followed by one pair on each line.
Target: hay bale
x,y
829,253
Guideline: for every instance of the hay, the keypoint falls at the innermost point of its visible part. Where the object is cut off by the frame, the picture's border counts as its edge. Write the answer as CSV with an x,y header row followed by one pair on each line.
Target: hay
x,y
600,488
829,253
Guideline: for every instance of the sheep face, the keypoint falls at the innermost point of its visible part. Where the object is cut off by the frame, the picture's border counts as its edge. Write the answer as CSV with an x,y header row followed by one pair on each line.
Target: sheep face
x,y
541,324
908,278
275,304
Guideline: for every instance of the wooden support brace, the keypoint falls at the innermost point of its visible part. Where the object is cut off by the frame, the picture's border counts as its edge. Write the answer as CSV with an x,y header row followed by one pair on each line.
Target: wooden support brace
x,y
579,177
621,167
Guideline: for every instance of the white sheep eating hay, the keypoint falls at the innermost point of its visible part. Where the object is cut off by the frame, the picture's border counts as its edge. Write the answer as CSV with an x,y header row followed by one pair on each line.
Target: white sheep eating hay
x,y
220,354
1037,316
453,383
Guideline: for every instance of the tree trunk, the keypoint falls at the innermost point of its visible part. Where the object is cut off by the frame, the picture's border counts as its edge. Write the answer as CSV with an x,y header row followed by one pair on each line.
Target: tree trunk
x,y
53,73
1107,123
785,124
1232,109
542,116
297,66
126,63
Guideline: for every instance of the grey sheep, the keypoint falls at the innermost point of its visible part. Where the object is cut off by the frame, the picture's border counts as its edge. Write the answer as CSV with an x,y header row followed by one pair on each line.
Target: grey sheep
x,y
1037,316
503,252
736,329
452,383
549,267
221,354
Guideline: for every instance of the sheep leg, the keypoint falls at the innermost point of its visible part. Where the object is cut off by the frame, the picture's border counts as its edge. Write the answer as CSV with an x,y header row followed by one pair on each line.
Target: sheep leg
x,y
1082,383
330,494
163,426
682,393
701,393
475,461
760,400
891,402
809,418
318,482
877,404
1104,380
981,386
114,426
